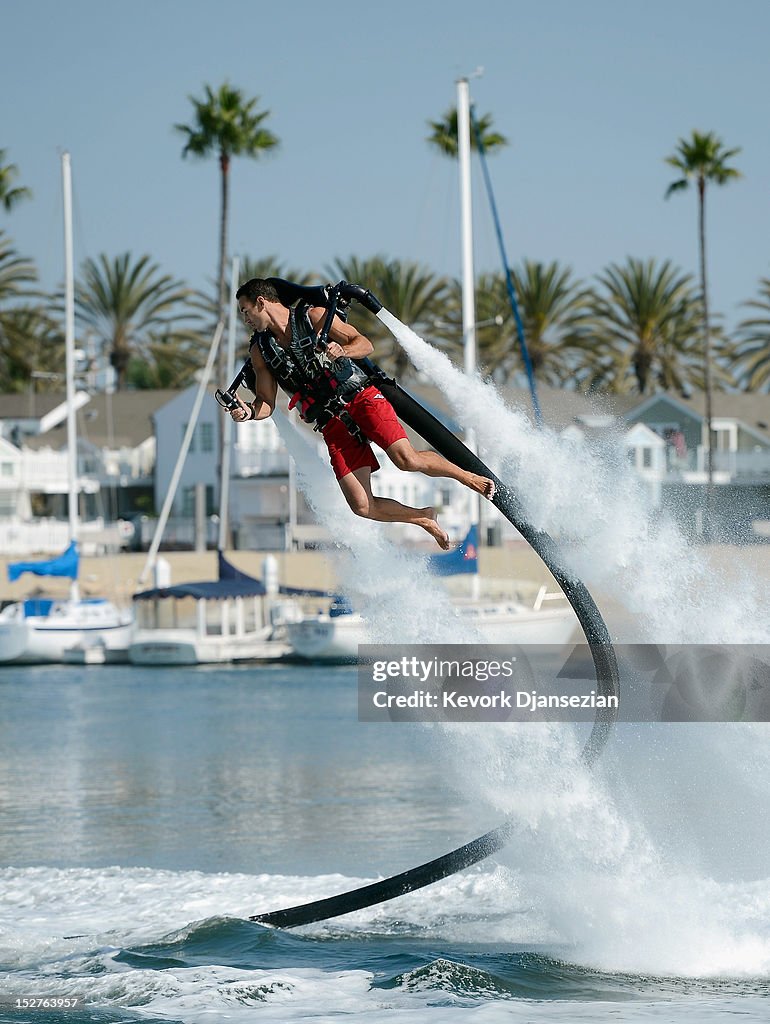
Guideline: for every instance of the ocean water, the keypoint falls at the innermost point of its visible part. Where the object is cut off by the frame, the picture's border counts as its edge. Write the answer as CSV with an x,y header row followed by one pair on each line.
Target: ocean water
x,y
145,814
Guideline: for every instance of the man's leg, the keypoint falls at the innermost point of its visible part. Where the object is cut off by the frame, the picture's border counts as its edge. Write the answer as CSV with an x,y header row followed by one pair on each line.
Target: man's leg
x,y
404,456
357,488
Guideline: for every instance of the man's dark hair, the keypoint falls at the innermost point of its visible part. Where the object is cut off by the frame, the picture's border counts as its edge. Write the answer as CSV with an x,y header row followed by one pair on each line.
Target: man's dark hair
x,y
258,287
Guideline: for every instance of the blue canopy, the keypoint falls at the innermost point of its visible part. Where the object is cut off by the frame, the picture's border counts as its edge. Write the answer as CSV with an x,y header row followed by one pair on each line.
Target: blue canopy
x,y
231,583
211,590
66,564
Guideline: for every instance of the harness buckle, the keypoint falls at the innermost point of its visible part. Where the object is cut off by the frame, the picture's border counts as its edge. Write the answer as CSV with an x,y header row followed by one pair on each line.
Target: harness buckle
x,y
351,426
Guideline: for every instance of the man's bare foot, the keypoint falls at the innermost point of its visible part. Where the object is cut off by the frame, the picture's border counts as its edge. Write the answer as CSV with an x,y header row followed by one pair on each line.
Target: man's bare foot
x,y
483,485
430,523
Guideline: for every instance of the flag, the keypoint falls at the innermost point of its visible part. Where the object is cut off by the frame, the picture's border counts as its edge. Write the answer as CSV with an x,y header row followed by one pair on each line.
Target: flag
x,y
463,560
65,565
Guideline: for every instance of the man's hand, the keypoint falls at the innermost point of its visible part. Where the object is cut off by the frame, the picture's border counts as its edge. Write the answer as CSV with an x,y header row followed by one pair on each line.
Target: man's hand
x,y
334,351
241,412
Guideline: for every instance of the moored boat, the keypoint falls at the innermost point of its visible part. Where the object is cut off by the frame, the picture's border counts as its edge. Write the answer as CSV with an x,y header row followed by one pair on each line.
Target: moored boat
x,y
334,635
208,622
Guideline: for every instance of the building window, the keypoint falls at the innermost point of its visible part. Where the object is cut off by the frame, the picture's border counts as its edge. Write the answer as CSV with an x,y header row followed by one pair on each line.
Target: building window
x,y
207,437
722,439
188,502
646,457
6,468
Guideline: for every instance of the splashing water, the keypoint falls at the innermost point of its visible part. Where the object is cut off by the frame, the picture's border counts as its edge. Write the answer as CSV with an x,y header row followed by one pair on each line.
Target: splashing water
x,y
657,860
600,505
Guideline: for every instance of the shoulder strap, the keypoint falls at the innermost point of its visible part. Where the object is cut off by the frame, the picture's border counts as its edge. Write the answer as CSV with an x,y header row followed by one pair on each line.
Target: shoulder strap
x,y
270,352
302,331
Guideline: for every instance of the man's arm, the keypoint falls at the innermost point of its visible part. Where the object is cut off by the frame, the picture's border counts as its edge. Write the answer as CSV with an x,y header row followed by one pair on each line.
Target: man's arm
x,y
345,340
267,388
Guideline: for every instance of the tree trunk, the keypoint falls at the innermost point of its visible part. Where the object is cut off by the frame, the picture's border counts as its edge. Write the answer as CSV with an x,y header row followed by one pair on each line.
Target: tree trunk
x,y
120,357
709,506
642,367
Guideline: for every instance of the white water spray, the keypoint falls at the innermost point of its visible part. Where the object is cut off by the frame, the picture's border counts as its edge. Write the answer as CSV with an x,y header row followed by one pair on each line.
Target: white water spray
x,y
657,860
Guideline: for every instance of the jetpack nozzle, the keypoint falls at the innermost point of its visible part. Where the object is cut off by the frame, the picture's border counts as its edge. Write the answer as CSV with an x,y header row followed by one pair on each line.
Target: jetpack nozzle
x,y
360,294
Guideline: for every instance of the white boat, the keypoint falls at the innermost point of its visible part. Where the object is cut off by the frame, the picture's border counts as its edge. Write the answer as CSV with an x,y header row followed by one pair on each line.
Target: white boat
x,y
334,635
33,631
39,630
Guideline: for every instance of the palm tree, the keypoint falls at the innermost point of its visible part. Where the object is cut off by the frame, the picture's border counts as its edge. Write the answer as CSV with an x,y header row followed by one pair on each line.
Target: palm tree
x,y
170,359
228,124
15,272
31,346
9,196
444,134
752,350
553,306
16,275
412,291
495,331
127,305
643,328
704,160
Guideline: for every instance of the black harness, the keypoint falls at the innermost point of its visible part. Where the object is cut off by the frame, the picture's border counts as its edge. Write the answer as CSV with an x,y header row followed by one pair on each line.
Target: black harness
x,y
319,386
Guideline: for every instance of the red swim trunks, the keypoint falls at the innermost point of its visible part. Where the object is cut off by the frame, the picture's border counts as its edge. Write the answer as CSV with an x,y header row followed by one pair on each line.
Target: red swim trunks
x,y
378,421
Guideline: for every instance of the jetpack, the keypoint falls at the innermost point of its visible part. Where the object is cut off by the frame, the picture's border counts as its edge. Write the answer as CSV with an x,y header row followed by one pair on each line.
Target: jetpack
x,y
336,299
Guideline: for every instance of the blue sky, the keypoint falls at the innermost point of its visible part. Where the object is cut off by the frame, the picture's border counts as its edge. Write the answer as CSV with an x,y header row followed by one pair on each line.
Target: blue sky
x,y
592,96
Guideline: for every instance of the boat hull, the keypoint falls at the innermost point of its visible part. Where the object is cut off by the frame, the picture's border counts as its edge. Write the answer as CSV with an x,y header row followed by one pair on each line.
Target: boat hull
x,y
186,647
336,639
35,640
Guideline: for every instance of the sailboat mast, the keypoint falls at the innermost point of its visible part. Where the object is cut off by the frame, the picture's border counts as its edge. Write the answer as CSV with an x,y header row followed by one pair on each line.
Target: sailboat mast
x,y
227,426
69,351
468,282
466,215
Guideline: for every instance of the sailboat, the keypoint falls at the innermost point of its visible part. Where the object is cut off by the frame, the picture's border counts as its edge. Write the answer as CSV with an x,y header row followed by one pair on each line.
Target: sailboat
x,y
46,630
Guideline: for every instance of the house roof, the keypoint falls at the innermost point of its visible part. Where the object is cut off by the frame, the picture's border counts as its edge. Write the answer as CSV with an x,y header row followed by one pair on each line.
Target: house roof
x,y
120,420
641,432
749,408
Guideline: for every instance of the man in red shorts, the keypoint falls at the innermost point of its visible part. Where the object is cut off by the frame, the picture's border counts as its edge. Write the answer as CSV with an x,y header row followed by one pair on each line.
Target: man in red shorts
x,y
334,393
